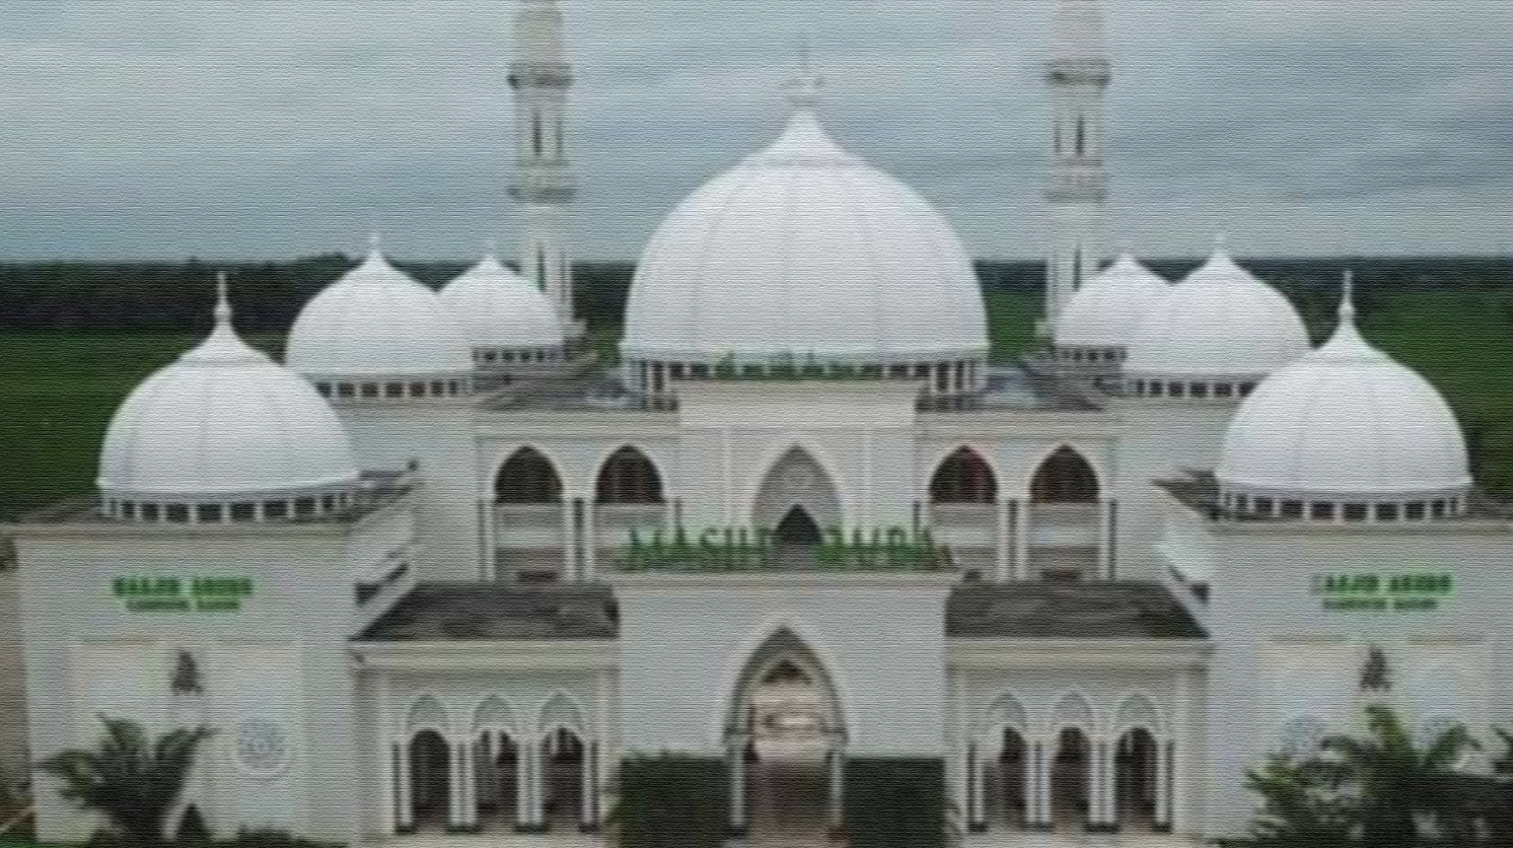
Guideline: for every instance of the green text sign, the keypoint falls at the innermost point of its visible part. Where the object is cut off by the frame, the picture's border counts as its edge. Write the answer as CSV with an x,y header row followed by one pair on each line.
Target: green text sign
x,y
200,593
1406,591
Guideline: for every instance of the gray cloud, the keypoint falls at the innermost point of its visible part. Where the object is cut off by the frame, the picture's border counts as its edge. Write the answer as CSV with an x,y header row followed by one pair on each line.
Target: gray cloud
x,y
269,128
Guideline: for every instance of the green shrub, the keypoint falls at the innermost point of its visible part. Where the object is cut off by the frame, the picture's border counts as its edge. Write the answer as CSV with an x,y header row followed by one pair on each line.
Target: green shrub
x,y
671,801
895,803
193,832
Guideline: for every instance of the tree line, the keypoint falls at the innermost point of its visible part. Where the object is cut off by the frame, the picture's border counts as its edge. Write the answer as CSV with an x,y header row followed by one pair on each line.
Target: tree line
x,y
176,297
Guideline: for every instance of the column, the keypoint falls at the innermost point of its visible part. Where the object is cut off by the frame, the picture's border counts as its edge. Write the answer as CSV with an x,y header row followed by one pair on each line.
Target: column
x,y
1043,785
454,785
1110,786
969,774
737,755
587,816
1001,553
538,786
470,784
1094,786
1106,510
569,542
490,537
524,752
837,785
591,540
1022,540
1166,761
405,815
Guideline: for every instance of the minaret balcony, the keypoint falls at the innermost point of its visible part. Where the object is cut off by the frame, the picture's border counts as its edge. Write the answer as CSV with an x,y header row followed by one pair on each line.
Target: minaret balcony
x,y
540,75
1085,71
543,182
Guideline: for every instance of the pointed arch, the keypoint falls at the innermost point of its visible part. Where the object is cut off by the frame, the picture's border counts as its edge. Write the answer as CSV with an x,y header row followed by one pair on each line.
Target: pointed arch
x,y
528,477
427,713
798,527
964,477
1064,476
783,656
628,476
562,712
496,715
797,479
1005,713
1138,712
1073,712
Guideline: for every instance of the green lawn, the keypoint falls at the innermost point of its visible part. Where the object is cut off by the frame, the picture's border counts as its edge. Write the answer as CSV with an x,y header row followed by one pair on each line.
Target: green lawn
x,y
59,389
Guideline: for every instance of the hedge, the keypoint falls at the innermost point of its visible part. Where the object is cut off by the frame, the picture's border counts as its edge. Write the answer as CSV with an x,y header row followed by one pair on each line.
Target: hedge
x,y
671,801
895,803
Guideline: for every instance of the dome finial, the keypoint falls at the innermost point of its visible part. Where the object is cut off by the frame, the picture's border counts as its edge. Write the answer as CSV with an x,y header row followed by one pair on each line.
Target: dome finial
x,y
1221,242
490,248
222,301
1347,298
804,90
375,242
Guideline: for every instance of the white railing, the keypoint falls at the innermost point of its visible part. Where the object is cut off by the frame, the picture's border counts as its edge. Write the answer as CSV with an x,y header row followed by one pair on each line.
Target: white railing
x,y
1065,525
529,525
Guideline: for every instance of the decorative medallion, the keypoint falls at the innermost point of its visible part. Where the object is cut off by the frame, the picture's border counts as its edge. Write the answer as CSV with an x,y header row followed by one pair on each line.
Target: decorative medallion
x,y
262,747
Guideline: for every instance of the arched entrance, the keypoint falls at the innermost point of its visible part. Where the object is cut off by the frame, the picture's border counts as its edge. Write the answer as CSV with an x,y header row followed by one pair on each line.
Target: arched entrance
x,y
1066,518
628,477
564,756
498,774
796,480
1064,477
1006,779
786,745
1135,783
963,478
1071,779
430,780
797,529
527,477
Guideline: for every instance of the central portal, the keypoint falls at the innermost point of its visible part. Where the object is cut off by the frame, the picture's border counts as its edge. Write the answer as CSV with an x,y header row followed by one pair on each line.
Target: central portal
x,y
798,529
786,747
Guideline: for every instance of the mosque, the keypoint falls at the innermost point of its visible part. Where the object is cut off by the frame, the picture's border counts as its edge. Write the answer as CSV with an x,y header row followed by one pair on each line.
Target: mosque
x,y
441,571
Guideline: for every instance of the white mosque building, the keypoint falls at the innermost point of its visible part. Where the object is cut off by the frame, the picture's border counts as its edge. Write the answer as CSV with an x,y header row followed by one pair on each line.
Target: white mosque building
x,y
440,571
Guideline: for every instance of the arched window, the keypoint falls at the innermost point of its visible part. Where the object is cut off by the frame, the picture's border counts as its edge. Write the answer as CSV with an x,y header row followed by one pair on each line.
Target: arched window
x,y
963,478
528,477
628,477
1064,477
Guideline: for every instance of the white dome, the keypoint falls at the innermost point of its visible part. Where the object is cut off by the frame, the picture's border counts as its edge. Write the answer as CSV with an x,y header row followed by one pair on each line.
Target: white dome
x,y
1220,321
377,321
223,420
1107,310
500,309
804,248
1345,420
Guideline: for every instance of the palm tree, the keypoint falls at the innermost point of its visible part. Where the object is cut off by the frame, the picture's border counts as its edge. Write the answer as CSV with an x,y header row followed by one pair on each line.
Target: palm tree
x,y
1301,806
1397,783
135,782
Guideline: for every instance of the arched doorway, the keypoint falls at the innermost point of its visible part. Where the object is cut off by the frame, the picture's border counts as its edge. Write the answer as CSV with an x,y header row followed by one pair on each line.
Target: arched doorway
x,y
796,480
497,759
1066,519
1064,477
786,745
797,529
1135,784
963,478
1071,779
628,477
527,477
1006,779
430,779
564,756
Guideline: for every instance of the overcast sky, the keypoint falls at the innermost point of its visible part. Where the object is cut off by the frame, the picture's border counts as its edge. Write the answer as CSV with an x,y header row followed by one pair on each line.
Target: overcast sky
x,y
250,129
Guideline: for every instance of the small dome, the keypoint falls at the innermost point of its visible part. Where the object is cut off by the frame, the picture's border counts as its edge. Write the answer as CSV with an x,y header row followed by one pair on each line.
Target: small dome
x,y
223,420
1220,321
1346,419
377,321
1106,311
803,248
500,309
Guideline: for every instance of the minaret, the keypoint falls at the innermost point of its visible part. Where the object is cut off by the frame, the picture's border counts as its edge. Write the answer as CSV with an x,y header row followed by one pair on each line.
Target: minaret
x,y
544,182
1078,75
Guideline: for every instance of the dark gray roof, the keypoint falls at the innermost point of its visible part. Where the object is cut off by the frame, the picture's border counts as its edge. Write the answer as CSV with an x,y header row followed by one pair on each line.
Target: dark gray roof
x,y
466,611
1068,611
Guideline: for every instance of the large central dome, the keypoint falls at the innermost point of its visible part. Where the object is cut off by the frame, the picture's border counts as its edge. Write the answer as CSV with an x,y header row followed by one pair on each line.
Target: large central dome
x,y
805,250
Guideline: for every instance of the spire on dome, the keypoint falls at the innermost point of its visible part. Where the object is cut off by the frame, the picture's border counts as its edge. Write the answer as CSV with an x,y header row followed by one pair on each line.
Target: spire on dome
x,y
1347,298
222,301
375,242
806,89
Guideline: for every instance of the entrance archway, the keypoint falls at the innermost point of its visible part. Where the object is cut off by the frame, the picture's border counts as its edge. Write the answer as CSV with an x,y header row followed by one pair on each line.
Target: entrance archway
x,y
786,745
564,756
796,480
430,779
798,529
1065,477
1071,779
1135,784
1006,783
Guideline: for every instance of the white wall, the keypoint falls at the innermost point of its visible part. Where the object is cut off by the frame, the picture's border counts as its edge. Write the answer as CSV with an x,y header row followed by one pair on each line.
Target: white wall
x,y
684,642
